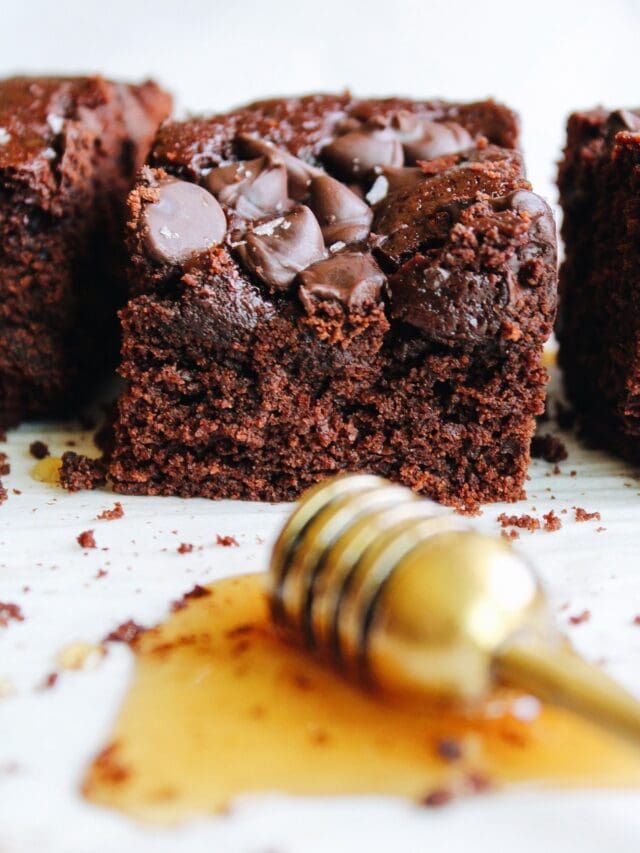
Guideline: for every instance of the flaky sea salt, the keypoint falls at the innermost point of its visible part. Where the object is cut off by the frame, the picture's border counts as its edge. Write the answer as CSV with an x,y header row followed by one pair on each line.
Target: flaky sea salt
x,y
267,228
55,122
337,246
378,191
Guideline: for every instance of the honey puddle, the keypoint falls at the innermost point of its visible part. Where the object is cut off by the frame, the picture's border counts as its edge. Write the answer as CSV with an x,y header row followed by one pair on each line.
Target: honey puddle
x,y
219,706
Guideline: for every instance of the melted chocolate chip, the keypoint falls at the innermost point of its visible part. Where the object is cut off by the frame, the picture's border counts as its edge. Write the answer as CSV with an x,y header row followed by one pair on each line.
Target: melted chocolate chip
x,y
353,155
398,178
254,188
299,173
277,251
351,278
184,220
437,139
342,215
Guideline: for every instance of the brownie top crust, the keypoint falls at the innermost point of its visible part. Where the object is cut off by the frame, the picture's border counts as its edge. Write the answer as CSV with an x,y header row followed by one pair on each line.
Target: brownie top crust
x,y
41,118
420,207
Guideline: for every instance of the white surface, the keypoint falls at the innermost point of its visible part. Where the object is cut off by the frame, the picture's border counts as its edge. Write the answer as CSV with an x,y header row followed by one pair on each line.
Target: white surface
x,y
48,736
545,59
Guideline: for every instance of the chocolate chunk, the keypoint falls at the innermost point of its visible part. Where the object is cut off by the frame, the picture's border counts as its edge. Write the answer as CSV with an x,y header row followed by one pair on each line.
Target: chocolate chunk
x,y
343,216
543,227
623,121
437,139
353,155
352,278
254,188
185,220
278,250
448,305
299,173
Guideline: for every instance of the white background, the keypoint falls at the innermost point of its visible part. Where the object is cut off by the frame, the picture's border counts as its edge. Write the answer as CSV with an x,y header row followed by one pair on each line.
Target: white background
x,y
542,58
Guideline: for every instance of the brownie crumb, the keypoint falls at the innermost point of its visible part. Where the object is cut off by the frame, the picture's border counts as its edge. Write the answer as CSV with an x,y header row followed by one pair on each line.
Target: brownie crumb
x,y
111,514
510,535
38,449
636,619
185,548
50,681
80,472
548,447
583,515
524,522
580,618
5,468
86,539
438,797
227,541
8,612
3,494
197,592
551,522
101,573
128,633
449,749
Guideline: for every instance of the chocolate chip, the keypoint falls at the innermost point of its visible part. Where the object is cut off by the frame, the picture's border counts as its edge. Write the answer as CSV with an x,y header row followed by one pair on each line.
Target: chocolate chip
x,y
353,155
254,188
437,139
185,220
351,278
343,216
299,173
623,121
397,178
278,250
543,226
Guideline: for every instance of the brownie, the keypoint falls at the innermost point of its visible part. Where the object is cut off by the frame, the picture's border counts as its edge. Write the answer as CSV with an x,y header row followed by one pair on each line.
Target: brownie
x,y
599,321
324,284
69,150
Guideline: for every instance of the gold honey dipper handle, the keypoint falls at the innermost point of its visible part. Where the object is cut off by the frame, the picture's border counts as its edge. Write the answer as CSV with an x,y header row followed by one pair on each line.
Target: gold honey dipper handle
x,y
399,594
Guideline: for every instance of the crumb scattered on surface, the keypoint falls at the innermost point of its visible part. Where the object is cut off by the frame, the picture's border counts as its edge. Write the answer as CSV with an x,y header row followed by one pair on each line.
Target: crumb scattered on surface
x,y
510,535
548,447
128,633
583,515
579,618
524,522
438,797
5,468
227,541
111,514
9,612
50,681
3,494
551,522
184,548
47,470
197,592
86,539
449,749
39,450
79,472
636,619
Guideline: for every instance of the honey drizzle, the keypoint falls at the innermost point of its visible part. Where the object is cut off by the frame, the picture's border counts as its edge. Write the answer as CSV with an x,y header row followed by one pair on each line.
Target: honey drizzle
x,y
220,706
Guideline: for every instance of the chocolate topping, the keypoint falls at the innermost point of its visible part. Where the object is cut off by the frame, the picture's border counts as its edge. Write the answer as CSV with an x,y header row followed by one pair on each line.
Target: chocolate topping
x,y
299,173
351,278
184,220
353,155
254,188
278,250
623,121
342,215
437,139
447,304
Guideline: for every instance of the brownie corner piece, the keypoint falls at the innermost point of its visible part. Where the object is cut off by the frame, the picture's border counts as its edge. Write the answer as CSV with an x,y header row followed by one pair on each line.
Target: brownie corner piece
x,y
324,284
599,319
69,149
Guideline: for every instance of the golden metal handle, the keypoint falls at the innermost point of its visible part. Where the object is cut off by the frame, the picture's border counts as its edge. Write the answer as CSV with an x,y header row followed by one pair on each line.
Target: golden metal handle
x,y
556,674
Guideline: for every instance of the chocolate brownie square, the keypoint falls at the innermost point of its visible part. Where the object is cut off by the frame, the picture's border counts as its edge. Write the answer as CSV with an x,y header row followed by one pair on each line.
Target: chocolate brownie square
x,y
599,322
69,150
325,284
